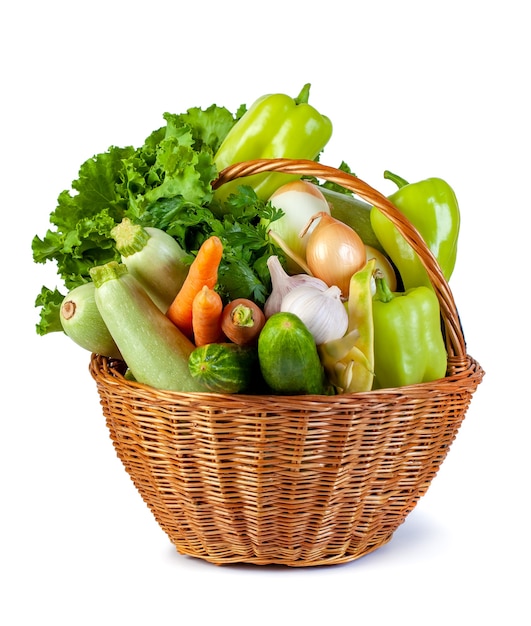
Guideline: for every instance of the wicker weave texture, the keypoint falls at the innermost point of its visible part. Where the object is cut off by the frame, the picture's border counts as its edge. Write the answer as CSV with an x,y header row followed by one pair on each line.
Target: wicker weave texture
x,y
297,481
268,480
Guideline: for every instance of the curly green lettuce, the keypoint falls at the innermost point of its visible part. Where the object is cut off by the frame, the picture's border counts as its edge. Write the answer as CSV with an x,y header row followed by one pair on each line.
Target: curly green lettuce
x,y
166,183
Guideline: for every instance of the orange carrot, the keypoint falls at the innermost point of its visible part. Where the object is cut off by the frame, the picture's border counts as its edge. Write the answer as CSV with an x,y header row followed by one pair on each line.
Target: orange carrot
x,y
203,271
242,320
206,317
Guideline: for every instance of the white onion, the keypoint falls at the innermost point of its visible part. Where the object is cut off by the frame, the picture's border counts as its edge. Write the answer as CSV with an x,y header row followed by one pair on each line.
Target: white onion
x,y
299,200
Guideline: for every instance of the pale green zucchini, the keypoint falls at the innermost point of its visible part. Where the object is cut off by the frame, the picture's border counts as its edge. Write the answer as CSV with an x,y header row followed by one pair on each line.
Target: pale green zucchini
x,y
154,258
154,349
354,212
82,322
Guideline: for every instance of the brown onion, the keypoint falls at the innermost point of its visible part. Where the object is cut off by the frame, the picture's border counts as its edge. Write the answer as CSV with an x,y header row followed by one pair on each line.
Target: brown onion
x,y
334,251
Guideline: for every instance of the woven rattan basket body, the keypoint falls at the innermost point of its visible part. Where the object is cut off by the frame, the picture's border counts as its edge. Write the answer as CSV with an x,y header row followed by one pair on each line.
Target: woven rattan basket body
x,y
298,481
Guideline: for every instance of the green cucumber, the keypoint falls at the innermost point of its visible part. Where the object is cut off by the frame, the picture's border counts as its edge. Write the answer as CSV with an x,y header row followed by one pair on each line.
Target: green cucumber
x,y
288,357
154,349
82,322
354,212
225,367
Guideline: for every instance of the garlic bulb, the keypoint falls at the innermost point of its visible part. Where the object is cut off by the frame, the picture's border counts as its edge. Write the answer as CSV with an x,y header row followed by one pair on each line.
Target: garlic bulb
x,y
322,312
282,283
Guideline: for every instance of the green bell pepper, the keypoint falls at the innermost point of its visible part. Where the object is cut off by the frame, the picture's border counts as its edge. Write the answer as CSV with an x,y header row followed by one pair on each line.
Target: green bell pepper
x,y
431,206
408,342
275,126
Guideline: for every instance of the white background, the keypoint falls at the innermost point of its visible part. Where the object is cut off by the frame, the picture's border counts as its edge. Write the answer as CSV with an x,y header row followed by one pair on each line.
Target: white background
x,y
420,88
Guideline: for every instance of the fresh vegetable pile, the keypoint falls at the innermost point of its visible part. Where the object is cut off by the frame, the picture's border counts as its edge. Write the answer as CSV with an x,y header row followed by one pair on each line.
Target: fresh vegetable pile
x,y
272,283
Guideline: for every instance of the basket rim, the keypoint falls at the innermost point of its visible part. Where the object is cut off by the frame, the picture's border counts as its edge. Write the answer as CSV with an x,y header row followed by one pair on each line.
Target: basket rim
x,y
453,331
467,376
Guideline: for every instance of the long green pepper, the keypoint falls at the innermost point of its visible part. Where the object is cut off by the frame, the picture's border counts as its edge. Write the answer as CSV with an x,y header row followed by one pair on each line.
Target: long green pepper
x,y
275,126
431,206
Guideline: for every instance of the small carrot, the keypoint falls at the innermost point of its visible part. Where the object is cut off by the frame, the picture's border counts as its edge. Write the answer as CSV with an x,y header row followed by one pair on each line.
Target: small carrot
x,y
206,317
203,271
242,320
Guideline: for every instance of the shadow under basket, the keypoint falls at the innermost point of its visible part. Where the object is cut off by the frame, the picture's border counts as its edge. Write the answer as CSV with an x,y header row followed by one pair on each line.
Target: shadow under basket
x,y
290,480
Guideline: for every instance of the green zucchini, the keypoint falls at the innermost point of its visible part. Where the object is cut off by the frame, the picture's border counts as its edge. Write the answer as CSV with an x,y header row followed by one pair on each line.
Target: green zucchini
x,y
154,258
154,349
354,212
82,322
288,357
225,367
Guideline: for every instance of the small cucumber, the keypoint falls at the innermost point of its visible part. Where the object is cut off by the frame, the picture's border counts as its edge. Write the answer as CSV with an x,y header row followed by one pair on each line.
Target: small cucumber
x,y
225,367
288,357
82,322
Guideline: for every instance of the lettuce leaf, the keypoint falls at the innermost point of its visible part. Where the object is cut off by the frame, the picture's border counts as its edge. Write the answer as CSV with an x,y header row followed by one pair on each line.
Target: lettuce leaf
x,y
51,302
166,182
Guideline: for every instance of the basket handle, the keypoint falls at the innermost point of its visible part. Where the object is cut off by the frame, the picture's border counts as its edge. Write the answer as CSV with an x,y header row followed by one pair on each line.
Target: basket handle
x,y
453,331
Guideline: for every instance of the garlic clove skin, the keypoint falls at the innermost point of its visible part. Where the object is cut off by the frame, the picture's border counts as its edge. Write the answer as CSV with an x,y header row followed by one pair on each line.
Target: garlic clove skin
x,y
322,312
282,283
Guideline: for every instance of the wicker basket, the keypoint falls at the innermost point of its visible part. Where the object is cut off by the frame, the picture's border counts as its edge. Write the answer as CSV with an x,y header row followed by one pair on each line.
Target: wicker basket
x,y
297,481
